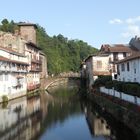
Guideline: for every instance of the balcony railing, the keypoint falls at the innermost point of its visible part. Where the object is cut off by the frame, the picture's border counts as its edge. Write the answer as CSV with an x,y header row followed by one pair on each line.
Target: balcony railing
x,y
12,69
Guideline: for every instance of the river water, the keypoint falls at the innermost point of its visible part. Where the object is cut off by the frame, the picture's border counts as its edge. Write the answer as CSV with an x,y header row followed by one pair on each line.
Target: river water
x,y
59,115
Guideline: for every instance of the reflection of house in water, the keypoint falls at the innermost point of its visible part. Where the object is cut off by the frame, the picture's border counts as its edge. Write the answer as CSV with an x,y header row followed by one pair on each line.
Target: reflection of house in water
x,y
20,120
98,126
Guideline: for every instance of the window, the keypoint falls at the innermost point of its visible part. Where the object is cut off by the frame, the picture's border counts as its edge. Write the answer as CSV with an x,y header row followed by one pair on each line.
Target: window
x,y
99,64
134,67
115,56
122,67
135,79
124,54
128,68
1,77
134,70
6,77
118,70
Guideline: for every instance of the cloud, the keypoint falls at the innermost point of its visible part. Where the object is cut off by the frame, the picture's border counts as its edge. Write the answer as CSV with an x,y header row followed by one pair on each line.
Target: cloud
x,y
133,20
131,31
115,21
131,26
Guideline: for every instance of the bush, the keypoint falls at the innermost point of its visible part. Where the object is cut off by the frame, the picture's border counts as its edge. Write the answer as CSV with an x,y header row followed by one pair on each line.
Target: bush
x,y
101,81
109,84
4,98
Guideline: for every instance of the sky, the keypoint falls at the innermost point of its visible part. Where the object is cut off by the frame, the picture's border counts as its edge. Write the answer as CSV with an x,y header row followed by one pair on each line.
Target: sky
x,y
96,22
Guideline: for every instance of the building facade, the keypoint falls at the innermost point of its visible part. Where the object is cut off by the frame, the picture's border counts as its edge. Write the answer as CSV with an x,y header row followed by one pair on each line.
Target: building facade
x,y
96,65
22,63
13,71
129,69
116,52
27,31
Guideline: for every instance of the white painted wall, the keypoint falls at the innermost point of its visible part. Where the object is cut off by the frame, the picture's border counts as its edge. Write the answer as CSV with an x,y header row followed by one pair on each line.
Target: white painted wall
x,y
130,76
121,95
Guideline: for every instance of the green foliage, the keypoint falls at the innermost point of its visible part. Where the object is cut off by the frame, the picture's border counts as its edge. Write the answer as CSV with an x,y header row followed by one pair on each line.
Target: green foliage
x,y
4,98
63,55
126,87
8,26
109,84
101,81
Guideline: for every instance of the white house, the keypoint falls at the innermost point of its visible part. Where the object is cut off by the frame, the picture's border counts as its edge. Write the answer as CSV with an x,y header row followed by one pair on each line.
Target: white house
x,y
116,52
96,65
129,68
13,70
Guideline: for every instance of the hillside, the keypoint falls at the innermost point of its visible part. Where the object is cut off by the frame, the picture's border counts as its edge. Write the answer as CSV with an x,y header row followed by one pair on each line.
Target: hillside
x,y
63,55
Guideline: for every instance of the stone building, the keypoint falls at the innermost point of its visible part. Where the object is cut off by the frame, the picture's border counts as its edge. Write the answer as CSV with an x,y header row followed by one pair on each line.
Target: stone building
x,y
27,31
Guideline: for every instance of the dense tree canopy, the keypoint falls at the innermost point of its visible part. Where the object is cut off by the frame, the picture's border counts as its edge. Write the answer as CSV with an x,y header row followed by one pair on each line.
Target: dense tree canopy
x,y
63,55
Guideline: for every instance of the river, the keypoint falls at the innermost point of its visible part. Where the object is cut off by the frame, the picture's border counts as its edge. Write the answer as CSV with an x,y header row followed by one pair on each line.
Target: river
x,y
58,115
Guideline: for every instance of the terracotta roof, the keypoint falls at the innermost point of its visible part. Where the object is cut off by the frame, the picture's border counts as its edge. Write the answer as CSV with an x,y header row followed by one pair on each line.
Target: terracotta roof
x,y
131,57
11,51
96,55
12,61
115,48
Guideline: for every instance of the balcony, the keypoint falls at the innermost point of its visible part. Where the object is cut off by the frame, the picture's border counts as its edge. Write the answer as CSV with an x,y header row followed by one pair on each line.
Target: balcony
x,y
36,61
12,69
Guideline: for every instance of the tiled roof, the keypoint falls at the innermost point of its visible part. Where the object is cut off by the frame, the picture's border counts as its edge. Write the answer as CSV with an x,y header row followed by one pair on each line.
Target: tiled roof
x,y
11,51
96,55
12,61
131,57
115,48
33,45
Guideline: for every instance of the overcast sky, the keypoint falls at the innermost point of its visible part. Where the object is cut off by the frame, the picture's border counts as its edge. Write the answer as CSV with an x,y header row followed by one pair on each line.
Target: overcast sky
x,y
93,21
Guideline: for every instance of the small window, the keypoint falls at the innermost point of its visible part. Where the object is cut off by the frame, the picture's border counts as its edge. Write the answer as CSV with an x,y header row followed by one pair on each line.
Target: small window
x,y
135,79
128,68
122,67
99,64
124,54
115,76
134,70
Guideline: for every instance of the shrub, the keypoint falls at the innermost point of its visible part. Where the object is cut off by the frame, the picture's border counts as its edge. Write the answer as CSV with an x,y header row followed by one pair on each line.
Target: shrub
x,y
4,98
109,84
101,81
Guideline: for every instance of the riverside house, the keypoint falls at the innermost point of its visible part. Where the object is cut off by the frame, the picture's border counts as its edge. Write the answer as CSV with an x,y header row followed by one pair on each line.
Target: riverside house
x,y
13,71
96,65
116,52
22,62
27,31
129,68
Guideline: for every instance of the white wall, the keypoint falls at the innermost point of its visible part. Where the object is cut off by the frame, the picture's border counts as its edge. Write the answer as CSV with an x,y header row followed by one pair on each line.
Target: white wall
x,y
130,76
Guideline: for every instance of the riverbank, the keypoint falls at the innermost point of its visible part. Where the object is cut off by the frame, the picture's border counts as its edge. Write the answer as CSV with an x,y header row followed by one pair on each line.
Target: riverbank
x,y
123,111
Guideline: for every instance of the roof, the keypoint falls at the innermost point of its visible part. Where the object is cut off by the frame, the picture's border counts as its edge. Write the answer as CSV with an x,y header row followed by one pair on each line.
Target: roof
x,y
129,58
115,48
96,55
26,24
12,61
33,45
11,51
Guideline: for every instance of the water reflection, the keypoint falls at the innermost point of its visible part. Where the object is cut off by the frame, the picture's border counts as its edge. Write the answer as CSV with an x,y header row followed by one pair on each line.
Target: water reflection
x,y
59,116
102,123
19,119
